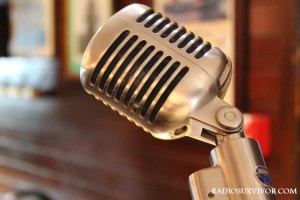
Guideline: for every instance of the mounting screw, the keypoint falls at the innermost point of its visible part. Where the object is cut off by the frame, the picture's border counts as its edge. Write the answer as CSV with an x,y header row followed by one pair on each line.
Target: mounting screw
x,y
229,117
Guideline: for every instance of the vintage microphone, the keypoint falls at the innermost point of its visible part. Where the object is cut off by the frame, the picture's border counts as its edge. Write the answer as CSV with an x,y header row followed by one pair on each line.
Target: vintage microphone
x,y
171,83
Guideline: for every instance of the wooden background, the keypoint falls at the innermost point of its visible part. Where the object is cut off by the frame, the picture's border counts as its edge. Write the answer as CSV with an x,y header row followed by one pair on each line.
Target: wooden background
x,y
271,79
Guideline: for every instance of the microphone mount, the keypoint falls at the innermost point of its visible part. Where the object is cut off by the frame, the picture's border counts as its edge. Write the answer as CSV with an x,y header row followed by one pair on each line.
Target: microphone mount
x,y
214,121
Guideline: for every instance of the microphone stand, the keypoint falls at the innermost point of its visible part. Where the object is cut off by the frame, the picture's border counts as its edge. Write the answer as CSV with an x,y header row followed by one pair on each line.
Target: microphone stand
x,y
238,169
238,172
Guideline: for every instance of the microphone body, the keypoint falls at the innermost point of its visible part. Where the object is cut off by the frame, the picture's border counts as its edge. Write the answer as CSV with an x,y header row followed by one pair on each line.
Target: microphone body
x,y
171,83
155,75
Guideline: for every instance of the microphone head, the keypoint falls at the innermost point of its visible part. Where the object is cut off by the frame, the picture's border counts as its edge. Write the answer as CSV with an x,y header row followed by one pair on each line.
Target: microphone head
x,y
153,71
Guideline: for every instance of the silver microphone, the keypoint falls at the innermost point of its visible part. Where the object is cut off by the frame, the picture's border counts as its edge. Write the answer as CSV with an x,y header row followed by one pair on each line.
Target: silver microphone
x,y
171,83
156,73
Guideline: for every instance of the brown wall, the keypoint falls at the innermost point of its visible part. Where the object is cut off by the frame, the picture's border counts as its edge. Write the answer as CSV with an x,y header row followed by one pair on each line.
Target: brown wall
x,y
297,91
271,81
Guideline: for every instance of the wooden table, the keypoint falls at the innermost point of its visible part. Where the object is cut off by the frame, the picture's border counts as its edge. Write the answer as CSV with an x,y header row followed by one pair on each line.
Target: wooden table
x,y
70,146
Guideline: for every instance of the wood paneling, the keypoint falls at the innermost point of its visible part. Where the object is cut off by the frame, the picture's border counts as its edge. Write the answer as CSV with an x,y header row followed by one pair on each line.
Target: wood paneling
x,y
241,55
271,86
297,90
61,36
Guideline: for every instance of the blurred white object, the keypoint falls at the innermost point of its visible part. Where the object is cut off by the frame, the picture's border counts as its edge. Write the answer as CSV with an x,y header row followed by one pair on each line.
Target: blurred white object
x,y
38,73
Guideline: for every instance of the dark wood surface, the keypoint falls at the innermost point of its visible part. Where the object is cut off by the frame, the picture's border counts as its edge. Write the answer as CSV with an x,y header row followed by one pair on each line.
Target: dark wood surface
x,y
71,146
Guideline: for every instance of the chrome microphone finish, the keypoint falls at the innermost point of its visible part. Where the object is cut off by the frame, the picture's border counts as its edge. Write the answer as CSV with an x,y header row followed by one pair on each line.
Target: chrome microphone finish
x,y
155,72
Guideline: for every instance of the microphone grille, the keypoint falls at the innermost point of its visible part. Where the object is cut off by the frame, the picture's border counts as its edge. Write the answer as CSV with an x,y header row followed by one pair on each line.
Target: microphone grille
x,y
153,71
127,70
167,28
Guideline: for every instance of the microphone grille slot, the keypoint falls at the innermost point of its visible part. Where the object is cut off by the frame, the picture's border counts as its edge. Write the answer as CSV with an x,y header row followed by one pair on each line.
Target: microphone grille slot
x,y
203,50
149,18
141,74
144,16
131,72
159,84
136,75
116,59
195,45
169,30
148,66
186,40
152,21
107,55
161,25
178,35
123,66
166,93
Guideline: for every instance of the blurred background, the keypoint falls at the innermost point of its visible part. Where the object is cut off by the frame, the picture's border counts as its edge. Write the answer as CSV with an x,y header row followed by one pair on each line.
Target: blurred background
x,y
57,142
